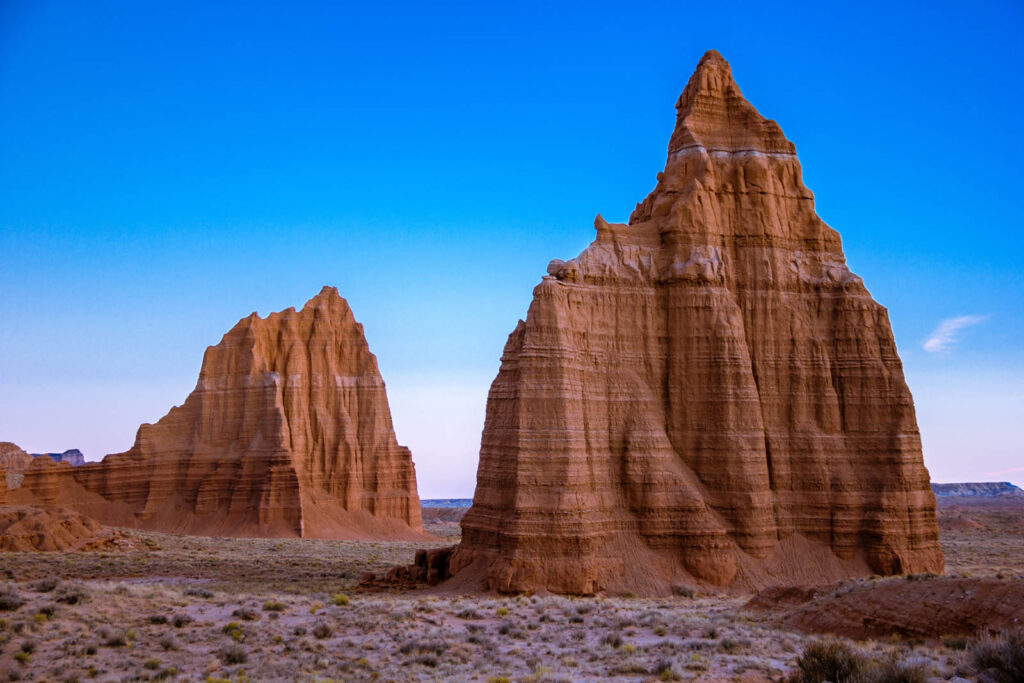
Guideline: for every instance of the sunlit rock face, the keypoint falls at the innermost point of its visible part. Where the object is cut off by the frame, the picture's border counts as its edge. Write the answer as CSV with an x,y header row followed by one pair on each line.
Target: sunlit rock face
x,y
287,433
706,395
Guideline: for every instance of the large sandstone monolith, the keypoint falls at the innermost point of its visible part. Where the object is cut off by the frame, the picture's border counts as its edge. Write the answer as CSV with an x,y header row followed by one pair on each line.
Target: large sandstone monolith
x,y
706,395
287,433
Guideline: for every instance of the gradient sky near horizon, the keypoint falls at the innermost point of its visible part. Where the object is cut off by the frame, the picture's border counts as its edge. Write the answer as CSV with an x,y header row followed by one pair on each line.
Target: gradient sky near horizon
x,y
167,168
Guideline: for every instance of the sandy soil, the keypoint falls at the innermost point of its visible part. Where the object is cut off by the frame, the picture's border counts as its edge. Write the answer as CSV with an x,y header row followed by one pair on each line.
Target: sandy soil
x,y
163,607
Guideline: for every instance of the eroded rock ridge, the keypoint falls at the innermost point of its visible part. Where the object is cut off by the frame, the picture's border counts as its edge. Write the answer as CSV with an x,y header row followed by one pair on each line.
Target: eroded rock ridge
x,y
287,433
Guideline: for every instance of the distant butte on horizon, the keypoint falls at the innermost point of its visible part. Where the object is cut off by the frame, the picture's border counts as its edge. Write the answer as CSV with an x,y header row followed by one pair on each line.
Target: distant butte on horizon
x,y
706,395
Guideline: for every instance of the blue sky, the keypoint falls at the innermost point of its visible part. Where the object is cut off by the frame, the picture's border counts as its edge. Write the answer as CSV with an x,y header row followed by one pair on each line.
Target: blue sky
x,y
165,170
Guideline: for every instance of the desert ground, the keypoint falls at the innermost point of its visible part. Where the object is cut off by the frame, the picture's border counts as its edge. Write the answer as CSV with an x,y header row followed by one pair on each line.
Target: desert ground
x,y
150,606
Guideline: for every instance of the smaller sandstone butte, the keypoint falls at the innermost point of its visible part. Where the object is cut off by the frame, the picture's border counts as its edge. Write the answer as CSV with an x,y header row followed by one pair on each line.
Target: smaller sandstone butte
x,y
14,461
984,489
71,457
287,433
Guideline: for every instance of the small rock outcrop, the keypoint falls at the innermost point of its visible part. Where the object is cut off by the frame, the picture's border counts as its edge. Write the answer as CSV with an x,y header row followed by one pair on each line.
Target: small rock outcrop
x,y
14,461
26,528
984,489
72,457
707,395
429,568
287,433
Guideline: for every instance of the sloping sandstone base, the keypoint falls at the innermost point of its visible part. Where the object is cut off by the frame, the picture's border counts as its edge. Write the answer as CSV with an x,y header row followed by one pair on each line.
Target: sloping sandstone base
x,y
30,528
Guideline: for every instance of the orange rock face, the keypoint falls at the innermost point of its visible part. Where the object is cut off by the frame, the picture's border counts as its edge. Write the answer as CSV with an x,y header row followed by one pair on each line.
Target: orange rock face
x,y
29,528
14,461
287,433
705,395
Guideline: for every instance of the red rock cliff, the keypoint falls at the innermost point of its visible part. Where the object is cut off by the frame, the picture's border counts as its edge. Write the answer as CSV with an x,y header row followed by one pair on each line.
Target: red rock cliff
x,y
705,395
287,433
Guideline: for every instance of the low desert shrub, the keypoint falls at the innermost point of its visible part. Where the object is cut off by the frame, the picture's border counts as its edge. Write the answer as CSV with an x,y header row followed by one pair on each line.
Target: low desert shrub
x,y
234,654
199,593
683,591
44,585
158,619
69,594
234,630
434,646
180,620
322,630
339,599
113,637
425,660
612,640
246,614
665,670
829,660
957,642
9,599
274,606
1000,657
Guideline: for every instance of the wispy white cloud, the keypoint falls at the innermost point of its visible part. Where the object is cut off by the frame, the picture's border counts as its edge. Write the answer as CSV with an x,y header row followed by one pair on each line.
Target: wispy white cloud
x,y
1009,470
945,336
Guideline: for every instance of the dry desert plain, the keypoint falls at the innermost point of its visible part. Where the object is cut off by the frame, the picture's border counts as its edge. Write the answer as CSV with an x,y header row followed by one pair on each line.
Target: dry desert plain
x,y
152,606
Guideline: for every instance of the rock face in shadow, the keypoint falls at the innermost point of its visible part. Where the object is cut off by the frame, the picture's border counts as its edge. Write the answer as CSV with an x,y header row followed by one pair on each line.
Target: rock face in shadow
x,y
287,433
706,395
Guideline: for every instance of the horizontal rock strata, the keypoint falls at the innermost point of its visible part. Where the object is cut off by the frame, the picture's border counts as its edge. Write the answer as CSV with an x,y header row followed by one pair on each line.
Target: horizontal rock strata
x,y
287,433
706,395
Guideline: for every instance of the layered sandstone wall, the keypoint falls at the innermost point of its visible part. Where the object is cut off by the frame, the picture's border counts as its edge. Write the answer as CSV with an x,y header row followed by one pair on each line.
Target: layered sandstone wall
x,y
707,394
287,433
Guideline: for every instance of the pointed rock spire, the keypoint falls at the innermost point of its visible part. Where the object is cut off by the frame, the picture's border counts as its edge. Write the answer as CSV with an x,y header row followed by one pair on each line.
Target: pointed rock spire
x,y
713,116
721,142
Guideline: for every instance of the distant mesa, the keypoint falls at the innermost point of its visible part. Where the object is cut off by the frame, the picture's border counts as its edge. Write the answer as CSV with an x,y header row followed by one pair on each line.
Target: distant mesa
x,y
985,489
707,395
72,457
287,433
446,502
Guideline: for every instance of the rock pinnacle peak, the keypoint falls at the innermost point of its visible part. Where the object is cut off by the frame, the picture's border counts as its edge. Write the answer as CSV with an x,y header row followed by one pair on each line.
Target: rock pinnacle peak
x,y
327,296
713,76
715,125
